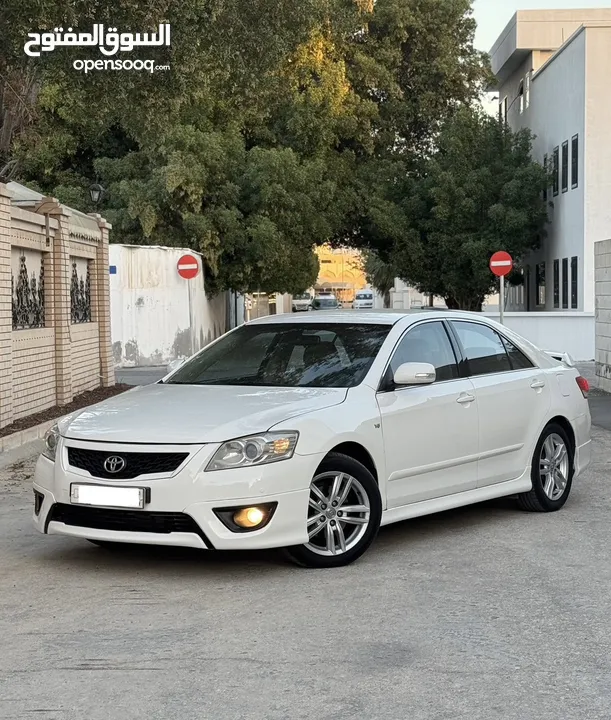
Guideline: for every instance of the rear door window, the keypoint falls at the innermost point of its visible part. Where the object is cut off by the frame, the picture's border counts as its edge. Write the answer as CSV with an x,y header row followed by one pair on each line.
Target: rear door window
x,y
483,347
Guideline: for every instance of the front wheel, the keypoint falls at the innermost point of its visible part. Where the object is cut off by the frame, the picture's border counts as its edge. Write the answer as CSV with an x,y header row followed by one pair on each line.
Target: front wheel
x,y
344,513
551,472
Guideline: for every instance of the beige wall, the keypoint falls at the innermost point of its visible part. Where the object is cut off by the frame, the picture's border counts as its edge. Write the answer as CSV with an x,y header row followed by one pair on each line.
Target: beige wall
x,y
41,367
598,134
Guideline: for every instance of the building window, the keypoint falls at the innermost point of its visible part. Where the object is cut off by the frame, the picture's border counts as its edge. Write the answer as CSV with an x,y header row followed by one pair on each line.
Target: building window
x,y
556,283
503,109
556,170
565,283
575,162
565,166
527,90
574,299
545,168
540,280
521,96
527,287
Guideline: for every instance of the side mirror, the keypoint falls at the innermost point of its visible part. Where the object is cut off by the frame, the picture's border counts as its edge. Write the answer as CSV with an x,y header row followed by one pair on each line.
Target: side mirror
x,y
415,374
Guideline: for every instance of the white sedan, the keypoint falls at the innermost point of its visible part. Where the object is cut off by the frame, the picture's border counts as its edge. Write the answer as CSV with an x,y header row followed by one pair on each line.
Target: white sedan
x,y
309,433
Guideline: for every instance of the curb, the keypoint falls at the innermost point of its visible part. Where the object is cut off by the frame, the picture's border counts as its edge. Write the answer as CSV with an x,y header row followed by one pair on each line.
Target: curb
x,y
23,437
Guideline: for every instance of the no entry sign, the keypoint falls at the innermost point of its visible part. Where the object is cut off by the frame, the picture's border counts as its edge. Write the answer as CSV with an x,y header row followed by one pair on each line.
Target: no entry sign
x,y
188,267
501,263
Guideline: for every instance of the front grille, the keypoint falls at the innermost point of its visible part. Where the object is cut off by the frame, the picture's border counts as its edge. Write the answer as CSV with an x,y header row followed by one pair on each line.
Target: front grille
x,y
124,520
136,463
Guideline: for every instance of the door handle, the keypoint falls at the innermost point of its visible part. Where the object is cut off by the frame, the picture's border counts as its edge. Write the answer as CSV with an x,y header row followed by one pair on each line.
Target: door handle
x,y
465,399
537,384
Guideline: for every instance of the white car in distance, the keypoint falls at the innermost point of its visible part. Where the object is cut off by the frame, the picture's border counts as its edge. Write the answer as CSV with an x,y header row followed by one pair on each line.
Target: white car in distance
x,y
302,302
363,300
309,432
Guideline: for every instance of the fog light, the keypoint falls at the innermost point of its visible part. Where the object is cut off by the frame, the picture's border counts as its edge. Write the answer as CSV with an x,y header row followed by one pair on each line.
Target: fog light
x,y
246,519
249,517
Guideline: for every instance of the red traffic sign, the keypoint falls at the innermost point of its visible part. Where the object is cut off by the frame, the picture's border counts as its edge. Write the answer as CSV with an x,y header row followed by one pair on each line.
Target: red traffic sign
x,y
188,267
501,263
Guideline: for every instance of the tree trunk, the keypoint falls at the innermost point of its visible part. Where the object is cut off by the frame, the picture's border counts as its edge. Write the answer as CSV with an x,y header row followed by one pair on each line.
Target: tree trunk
x,y
387,299
452,303
431,301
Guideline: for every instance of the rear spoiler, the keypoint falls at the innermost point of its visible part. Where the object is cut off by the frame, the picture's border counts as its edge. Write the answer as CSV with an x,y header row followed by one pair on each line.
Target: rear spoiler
x,y
564,358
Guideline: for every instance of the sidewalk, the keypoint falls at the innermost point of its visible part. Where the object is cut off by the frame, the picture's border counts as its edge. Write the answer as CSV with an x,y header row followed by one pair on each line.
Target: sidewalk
x,y
600,401
140,375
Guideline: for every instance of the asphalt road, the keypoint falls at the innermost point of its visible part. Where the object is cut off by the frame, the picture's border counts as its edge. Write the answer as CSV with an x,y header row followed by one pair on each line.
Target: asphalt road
x,y
483,613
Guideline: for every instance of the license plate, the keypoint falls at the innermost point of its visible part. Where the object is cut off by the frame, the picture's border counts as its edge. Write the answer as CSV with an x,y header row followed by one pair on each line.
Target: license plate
x,y
103,496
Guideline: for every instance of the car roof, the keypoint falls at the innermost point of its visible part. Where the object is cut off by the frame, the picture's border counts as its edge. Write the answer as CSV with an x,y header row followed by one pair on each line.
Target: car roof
x,y
366,317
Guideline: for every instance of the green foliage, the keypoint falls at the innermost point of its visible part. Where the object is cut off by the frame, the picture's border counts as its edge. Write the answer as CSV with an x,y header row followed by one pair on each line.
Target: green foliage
x,y
481,193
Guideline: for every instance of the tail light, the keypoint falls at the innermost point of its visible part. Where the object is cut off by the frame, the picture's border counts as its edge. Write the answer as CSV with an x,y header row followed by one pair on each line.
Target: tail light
x,y
584,386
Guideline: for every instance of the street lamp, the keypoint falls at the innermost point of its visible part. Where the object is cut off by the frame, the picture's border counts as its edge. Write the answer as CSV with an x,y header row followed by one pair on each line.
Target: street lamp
x,y
96,193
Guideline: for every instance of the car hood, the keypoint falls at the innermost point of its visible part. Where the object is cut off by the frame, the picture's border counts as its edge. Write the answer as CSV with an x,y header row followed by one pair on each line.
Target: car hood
x,y
174,414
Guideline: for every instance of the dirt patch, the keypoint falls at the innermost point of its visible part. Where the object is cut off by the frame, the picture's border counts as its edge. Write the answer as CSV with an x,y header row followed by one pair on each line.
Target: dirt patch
x,y
80,401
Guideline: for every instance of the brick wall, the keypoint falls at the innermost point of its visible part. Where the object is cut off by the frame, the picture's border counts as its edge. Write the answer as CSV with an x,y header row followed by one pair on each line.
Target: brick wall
x,y
603,313
43,366
85,345
34,387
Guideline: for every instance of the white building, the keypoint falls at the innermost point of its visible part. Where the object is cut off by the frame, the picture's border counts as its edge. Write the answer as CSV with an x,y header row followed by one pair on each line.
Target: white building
x,y
553,70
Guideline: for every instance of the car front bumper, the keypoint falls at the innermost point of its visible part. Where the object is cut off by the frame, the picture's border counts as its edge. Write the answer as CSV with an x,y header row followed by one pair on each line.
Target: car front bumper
x,y
189,492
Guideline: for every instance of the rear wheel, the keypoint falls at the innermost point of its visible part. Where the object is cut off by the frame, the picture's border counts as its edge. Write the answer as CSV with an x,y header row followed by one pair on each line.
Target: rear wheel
x,y
552,472
344,514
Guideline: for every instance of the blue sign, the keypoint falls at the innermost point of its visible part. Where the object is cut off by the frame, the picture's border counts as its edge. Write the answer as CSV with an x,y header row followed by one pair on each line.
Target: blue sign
x,y
113,269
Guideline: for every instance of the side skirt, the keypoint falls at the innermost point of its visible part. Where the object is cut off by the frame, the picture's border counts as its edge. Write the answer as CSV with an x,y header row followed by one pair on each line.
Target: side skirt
x,y
448,502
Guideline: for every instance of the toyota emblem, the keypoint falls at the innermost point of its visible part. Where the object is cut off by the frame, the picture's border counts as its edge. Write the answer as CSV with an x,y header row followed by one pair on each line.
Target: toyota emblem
x,y
114,464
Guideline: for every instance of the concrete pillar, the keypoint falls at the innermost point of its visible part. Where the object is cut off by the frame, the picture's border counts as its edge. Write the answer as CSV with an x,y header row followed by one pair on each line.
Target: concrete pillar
x,y
61,317
101,281
6,310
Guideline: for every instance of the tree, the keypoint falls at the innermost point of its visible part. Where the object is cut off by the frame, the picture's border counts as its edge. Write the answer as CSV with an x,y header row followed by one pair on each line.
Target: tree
x,y
252,157
481,192
380,275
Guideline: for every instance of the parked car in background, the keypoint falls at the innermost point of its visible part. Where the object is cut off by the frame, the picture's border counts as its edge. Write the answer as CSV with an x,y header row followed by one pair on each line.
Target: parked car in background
x,y
326,302
302,302
363,300
309,433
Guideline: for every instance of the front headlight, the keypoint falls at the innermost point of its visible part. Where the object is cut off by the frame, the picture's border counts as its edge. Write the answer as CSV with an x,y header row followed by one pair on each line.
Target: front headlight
x,y
254,450
51,441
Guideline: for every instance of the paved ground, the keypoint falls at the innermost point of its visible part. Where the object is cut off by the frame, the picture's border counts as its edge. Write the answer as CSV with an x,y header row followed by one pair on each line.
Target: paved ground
x,y
485,613
140,376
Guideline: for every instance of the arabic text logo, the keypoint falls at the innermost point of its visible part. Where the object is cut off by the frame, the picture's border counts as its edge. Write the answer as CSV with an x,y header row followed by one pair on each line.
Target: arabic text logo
x,y
109,43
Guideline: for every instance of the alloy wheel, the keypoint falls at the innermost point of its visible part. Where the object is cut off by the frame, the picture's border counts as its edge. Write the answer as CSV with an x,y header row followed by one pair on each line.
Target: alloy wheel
x,y
554,466
338,514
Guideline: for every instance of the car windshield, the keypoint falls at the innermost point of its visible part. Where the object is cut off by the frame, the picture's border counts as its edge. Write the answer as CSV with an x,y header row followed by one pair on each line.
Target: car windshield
x,y
287,355
303,296
364,296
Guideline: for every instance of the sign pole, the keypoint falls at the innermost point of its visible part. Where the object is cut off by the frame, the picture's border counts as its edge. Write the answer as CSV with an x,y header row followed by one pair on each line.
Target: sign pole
x,y
502,299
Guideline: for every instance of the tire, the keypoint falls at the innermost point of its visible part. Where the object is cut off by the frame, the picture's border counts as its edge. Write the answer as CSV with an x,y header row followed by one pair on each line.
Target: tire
x,y
353,486
550,489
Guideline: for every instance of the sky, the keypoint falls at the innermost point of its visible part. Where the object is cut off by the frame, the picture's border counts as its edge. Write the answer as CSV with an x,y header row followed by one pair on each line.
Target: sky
x,y
493,15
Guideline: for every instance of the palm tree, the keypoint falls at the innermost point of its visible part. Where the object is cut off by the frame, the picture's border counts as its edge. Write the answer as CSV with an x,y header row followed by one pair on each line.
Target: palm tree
x,y
380,275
